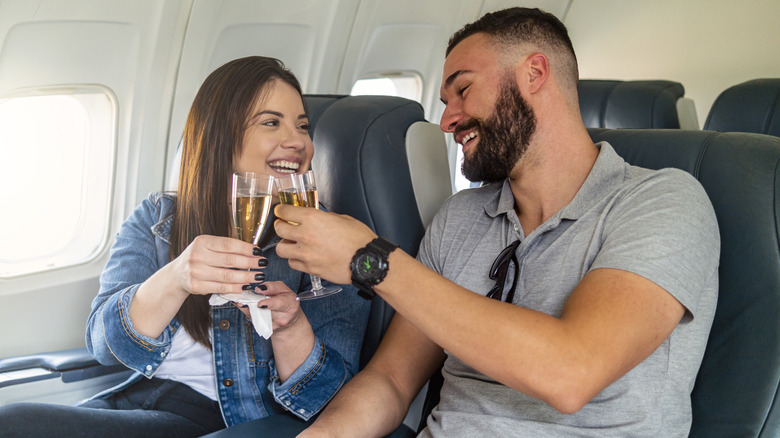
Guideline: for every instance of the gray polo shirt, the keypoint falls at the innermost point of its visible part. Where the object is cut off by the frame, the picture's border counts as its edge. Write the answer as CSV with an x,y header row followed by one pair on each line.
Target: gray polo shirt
x,y
657,224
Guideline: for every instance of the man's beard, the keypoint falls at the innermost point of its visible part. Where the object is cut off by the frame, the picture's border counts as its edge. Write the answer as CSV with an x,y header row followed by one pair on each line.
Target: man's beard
x,y
503,137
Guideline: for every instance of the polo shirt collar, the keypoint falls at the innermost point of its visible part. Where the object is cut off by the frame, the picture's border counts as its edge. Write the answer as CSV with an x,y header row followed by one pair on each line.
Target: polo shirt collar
x,y
608,170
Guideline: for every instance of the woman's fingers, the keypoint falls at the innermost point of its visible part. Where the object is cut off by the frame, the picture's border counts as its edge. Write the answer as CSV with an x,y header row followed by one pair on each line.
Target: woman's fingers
x,y
226,252
213,264
283,304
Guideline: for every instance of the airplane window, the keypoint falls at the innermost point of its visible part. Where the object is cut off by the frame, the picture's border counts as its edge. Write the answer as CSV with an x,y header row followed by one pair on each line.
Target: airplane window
x,y
460,181
407,85
56,152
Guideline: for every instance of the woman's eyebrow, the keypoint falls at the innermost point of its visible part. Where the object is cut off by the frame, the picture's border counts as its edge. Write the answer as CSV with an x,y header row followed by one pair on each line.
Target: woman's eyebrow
x,y
274,113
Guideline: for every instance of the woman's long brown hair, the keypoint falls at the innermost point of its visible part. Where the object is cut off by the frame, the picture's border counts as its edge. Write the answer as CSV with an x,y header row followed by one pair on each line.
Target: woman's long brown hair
x,y
213,137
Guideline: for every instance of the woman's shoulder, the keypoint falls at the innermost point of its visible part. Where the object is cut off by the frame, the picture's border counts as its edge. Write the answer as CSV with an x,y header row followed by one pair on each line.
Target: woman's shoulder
x,y
165,200
159,204
155,211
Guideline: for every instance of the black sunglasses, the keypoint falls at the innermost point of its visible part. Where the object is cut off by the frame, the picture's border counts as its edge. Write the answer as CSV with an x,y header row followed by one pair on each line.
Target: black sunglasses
x,y
499,270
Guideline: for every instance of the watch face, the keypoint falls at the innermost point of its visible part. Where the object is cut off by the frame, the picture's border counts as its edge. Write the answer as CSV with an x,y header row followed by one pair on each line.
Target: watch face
x,y
366,265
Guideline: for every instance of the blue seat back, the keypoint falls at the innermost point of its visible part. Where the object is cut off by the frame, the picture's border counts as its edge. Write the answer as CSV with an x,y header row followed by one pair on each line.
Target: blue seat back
x,y
363,171
752,106
630,104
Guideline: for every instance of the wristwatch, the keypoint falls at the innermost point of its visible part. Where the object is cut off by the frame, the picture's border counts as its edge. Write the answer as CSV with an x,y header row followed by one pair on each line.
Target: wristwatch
x,y
369,266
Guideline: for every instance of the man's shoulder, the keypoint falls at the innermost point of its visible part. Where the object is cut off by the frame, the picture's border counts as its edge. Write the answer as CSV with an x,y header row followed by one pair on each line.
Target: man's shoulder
x,y
668,180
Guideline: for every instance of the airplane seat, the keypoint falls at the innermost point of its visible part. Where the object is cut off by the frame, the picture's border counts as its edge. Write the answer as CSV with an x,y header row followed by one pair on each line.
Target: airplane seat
x,y
752,106
736,389
376,158
364,170
316,104
635,104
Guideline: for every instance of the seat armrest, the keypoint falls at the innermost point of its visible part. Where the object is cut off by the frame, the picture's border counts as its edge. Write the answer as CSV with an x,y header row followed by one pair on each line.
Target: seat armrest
x,y
283,426
64,360
71,365
278,426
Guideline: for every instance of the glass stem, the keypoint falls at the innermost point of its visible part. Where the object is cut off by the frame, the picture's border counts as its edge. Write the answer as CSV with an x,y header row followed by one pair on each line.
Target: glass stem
x,y
316,283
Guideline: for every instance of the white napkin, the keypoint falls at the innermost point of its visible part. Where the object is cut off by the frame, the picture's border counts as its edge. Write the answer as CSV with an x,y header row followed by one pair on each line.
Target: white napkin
x,y
261,318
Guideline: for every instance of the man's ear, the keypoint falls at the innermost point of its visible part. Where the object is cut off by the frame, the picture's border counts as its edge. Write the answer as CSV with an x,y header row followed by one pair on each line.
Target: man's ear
x,y
535,71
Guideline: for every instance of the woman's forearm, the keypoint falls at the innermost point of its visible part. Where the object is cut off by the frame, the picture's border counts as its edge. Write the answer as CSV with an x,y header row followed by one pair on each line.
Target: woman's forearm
x,y
292,346
156,302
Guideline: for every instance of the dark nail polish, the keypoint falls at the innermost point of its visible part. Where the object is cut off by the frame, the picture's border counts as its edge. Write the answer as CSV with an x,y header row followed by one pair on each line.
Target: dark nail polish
x,y
263,306
262,263
260,277
244,306
257,251
263,287
247,287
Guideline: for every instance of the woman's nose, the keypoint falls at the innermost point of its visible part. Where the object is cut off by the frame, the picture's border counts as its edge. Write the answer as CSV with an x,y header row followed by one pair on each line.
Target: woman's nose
x,y
294,139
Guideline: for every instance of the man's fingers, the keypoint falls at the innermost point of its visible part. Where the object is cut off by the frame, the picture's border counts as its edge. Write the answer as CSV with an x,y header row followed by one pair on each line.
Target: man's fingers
x,y
291,213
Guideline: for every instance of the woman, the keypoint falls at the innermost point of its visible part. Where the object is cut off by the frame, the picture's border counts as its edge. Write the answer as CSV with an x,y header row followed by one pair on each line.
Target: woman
x,y
205,366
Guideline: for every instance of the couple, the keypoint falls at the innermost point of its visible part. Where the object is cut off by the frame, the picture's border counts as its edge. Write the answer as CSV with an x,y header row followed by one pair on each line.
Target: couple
x,y
572,294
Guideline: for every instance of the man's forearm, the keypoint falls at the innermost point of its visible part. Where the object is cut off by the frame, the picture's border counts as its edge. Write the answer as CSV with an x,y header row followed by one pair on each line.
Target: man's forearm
x,y
367,406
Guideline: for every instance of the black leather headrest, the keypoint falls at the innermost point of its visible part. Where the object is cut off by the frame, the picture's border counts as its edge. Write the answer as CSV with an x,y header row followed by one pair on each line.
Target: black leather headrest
x,y
752,106
629,104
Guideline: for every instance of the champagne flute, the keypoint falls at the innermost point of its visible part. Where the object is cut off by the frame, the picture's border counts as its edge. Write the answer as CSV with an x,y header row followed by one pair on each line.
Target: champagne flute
x,y
252,197
301,190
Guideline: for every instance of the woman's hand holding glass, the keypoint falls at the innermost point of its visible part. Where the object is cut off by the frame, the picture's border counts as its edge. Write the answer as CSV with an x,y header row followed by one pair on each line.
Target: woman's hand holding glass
x,y
251,200
213,264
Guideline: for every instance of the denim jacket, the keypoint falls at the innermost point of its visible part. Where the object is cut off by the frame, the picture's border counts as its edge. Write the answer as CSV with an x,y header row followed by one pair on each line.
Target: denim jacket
x,y
248,386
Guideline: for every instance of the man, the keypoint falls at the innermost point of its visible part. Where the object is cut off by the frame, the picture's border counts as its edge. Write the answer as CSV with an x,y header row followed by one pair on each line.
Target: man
x,y
601,277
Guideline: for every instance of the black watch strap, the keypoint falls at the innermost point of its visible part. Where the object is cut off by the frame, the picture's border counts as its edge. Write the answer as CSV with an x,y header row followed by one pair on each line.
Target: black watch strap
x,y
382,245
377,250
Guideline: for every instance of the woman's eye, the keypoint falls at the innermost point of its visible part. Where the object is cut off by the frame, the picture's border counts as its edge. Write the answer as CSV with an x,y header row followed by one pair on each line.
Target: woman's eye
x,y
304,127
271,122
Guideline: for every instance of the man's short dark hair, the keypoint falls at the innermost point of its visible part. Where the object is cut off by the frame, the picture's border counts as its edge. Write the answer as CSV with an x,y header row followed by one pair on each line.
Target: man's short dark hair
x,y
513,27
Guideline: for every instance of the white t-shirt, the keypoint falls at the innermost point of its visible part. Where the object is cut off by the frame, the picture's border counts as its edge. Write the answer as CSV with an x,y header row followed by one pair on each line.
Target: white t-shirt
x,y
190,363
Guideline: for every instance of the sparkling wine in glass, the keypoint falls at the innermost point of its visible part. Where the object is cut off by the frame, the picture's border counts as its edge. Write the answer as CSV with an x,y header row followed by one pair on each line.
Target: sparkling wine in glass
x,y
301,190
252,195
251,199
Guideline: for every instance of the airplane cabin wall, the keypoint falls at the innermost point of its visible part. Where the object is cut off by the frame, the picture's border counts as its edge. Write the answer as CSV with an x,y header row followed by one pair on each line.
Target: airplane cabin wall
x,y
131,49
705,45
309,36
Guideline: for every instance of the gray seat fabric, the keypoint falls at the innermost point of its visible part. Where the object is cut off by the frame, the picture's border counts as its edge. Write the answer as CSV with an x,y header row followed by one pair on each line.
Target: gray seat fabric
x,y
752,106
630,104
